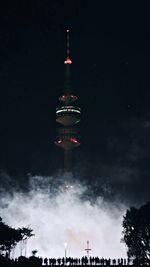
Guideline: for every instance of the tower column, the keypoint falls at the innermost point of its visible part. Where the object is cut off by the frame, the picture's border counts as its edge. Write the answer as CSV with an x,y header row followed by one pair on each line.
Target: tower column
x,y
68,116
67,160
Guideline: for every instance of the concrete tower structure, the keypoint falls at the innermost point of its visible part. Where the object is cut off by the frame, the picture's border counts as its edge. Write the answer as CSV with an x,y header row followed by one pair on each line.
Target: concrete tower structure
x,y
68,116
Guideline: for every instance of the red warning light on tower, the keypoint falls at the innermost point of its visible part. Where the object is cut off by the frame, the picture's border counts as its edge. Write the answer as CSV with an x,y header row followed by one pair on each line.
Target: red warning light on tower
x,y
68,61
73,140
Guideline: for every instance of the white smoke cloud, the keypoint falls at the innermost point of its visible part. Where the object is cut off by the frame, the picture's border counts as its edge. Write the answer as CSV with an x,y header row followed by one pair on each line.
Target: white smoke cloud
x,y
64,216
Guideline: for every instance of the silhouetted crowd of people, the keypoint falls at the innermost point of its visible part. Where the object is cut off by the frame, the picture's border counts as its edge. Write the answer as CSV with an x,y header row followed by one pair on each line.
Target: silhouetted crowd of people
x,y
39,261
85,261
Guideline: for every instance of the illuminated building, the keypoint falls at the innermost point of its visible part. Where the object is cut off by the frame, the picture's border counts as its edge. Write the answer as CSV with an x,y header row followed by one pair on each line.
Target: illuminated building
x,y
68,116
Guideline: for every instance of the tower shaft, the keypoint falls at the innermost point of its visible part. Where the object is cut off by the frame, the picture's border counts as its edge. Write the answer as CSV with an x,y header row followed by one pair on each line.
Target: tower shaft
x,y
67,160
68,115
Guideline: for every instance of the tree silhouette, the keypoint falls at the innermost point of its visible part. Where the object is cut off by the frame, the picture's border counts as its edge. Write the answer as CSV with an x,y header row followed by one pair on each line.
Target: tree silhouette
x,y
9,237
136,233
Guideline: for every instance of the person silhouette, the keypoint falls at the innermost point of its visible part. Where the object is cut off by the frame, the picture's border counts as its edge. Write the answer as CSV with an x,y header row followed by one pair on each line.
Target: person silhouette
x,y
46,261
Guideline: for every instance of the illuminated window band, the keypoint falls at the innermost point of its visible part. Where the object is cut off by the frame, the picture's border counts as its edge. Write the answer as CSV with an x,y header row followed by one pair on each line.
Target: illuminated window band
x,y
67,109
73,107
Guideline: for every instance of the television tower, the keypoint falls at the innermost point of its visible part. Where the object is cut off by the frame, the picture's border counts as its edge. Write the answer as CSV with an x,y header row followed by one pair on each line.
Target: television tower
x,y
68,116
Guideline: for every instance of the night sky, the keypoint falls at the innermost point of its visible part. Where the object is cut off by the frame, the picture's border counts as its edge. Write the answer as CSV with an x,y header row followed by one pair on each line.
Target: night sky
x,y
110,50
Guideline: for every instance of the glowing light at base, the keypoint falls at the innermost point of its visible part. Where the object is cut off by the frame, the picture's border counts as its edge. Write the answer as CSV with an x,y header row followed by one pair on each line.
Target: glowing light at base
x,y
64,217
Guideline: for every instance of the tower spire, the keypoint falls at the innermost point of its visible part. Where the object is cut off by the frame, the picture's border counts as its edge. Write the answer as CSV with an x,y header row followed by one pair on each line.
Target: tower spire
x,y
68,61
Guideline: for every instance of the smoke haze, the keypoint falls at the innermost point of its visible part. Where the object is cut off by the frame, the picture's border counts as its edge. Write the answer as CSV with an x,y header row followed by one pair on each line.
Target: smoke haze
x,y
65,215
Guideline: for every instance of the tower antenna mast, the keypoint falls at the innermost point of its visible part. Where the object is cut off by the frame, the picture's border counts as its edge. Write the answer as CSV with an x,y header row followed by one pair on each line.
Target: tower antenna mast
x,y
68,60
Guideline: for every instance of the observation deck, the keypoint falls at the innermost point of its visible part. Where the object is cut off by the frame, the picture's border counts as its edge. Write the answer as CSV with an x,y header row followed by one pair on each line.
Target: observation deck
x,y
68,115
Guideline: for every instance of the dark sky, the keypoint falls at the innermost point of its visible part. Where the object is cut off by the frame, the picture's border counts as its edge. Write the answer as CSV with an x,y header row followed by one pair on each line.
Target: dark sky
x,y
110,49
